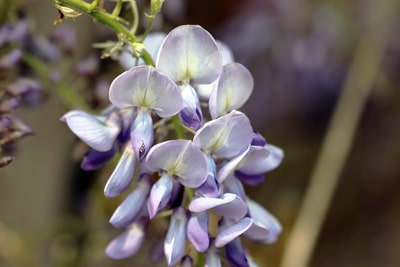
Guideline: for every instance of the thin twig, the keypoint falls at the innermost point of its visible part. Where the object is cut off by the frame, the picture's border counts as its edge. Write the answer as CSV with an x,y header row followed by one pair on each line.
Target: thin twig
x,y
341,130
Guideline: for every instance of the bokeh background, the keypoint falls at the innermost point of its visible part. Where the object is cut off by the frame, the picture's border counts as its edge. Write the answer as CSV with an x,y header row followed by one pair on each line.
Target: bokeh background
x,y
300,53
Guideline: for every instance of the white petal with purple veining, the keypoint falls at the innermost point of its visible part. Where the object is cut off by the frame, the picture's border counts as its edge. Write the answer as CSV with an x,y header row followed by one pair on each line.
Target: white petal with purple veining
x,y
234,87
197,231
226,136
210,188
174,245
122,174
93,130
147,88
194,54
261,159
229,205
142,134
160,194
227,234
180,158
132,205
234,186
190,114
227,169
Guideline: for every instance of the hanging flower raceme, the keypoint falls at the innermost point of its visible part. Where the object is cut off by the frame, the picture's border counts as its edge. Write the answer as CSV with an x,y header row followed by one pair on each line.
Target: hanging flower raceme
x,y
192,176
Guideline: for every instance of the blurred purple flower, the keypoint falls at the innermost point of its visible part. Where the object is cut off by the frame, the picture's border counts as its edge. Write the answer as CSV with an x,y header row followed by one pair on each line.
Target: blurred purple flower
x,y
11,58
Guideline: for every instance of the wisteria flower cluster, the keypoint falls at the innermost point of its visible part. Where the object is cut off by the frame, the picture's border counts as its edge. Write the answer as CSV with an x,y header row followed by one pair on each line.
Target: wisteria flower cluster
x,y
16,86
187,149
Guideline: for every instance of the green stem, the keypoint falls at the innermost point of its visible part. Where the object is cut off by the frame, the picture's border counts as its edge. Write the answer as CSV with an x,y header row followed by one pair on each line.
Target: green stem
x,y
94,4
106,19
4,10
180,131
148,28
135,14
200,259
117,9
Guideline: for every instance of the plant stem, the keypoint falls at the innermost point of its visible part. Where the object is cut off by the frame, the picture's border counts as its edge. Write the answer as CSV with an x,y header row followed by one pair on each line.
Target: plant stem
x,y
5,8
106,19
117,9
135,14
180,131
340,135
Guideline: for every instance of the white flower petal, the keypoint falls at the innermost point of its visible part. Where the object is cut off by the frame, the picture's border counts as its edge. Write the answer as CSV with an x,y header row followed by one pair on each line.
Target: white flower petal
x,y
91,129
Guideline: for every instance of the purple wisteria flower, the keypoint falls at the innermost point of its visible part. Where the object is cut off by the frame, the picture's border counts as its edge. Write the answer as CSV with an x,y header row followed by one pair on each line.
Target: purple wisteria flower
x,y
176,161
232,90
98,132
197,60
146,90
190,171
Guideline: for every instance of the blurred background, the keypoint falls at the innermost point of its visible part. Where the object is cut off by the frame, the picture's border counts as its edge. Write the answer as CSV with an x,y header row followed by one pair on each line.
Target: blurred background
x,y
300,54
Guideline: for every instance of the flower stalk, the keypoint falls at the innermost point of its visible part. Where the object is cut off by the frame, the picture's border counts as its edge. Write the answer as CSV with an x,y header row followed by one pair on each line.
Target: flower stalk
x,y
107,19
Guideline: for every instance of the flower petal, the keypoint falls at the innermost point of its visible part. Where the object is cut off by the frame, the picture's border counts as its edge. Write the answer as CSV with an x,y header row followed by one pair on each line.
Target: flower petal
x,y
190,114
226,52
261,159
122,174
95,159
234,87
225,137
195,55
212,258
210,188
234,186
147,88
197,231
227,234
174,245
180,158
236,254
258,139
127,244
132,205
92,130
204,90
228,168
160,194
264,220
252,180
229,205
142,134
